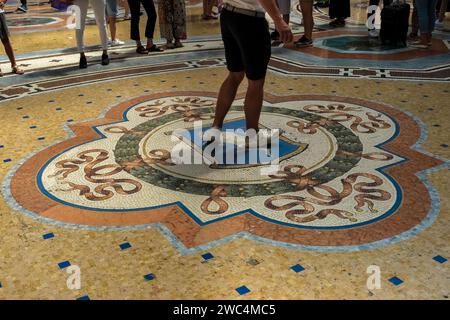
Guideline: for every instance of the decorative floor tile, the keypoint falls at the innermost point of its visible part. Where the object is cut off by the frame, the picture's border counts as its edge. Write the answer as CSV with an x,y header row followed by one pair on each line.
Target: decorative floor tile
x,y
242,290
440,259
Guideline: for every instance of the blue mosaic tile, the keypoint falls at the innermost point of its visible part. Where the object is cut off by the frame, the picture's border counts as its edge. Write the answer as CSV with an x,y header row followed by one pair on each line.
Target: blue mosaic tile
x,y
149,276
7,160
19,108
207,256
51,100
41,138
81,95
440,259
63,264
1,286
88,102
125,245
86,297
242,290
396,281
32,127
69,120
48,235
58,109
444,145
25,117
1,146
297,268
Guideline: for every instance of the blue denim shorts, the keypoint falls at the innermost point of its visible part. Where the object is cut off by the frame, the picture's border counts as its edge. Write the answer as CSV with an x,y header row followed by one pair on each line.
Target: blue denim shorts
x,y
111,8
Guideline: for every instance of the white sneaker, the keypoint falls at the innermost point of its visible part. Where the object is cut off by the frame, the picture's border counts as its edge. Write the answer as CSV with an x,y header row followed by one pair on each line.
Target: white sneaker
x,y
116,43
373,33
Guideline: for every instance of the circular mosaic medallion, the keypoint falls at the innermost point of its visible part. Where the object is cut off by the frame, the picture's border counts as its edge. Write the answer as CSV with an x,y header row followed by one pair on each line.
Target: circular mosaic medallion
x,y
336,175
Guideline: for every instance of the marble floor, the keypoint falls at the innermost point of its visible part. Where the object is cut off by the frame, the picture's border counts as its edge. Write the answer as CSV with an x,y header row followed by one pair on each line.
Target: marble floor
x,y
87,179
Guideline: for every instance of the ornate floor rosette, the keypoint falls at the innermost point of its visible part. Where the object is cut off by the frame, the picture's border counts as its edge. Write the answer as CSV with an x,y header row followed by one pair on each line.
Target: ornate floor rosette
x,y
347,175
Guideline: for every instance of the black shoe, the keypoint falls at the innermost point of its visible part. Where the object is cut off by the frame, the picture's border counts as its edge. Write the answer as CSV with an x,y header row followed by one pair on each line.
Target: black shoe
x,y
83,62
303,42
275,35
154,48
105,59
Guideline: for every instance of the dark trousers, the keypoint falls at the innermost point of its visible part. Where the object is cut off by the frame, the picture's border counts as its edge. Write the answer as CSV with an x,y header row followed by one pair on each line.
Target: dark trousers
x,y
377,3
135,10
339,9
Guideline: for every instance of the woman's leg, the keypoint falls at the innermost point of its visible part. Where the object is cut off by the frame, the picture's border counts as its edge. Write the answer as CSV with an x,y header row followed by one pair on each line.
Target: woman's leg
x,y
307,14
99,12
10,53
179,21
422,11
135,10
149,7
83,5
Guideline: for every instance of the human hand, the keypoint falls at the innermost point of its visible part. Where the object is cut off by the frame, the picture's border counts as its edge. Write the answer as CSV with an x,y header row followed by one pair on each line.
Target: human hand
x,y
284,30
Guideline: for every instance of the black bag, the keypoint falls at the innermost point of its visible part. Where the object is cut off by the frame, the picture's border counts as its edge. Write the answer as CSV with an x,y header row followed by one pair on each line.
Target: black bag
x,y
394,23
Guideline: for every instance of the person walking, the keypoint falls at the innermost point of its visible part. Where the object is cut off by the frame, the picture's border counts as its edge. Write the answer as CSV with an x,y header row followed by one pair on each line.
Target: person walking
x,y
246,38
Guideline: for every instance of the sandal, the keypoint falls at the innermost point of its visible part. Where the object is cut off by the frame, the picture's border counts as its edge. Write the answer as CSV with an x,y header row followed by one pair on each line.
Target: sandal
x,y
154,48
169,46
178,44
16,70
141,50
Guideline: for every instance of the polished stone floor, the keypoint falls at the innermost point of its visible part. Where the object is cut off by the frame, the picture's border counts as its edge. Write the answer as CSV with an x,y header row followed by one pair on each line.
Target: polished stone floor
x,y
87,177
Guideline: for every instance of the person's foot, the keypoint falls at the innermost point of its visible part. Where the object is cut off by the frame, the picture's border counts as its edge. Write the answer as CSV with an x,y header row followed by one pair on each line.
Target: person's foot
x,y
178,44
127,17
209,17
83,62
105,59
154,48
439,24
303,42
116,42
141,50
419,45
275,35
373,33
22,8
169,45
413,37
337,23
16,70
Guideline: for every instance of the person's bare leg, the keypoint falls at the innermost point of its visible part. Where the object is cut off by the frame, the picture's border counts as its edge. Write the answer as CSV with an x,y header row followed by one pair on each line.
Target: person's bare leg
x,y
10,53
226,97
308,22
112,27
253,103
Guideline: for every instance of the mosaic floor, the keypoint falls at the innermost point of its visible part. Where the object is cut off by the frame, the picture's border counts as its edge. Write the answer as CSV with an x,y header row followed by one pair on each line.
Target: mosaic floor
x,y
88,180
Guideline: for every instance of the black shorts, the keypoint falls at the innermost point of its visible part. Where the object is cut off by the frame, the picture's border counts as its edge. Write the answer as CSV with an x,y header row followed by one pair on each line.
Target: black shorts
x,y
247,43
